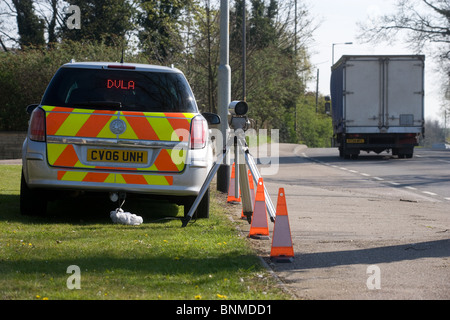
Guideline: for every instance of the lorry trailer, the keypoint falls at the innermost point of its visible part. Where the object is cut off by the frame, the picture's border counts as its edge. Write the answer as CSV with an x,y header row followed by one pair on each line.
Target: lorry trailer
x,y
377,104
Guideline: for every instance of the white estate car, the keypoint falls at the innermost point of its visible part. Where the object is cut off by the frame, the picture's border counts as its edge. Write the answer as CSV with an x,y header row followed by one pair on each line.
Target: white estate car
x,y
116,128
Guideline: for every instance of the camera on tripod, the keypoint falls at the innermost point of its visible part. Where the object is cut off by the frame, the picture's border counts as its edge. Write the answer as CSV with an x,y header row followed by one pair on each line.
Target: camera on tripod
x,y
240,123
239,120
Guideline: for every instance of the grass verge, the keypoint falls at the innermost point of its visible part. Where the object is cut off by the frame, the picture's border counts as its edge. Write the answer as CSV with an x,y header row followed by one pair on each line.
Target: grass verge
x,y
157,260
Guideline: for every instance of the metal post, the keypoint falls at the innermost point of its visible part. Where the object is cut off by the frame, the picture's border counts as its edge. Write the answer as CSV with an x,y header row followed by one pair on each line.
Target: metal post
x,y
317,92
237,163
445,126
244,53
224,92
332,51
332,54
295,61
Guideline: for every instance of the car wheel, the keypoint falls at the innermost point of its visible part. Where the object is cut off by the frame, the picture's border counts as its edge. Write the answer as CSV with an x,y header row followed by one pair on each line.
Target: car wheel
x,y
32,202
202,211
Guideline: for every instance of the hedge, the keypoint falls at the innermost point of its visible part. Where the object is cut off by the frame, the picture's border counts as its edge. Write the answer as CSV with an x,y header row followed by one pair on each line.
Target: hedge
x,y
25,74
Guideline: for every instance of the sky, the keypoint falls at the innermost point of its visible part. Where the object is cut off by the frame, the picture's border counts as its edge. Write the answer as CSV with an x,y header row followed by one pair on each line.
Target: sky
x,y
339,25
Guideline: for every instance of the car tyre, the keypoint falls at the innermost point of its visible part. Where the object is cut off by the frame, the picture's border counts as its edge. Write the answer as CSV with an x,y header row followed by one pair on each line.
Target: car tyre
x,y
32,202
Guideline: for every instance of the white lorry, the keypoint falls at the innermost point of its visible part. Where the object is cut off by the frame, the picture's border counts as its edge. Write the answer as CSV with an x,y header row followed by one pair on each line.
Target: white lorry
x,y
377,104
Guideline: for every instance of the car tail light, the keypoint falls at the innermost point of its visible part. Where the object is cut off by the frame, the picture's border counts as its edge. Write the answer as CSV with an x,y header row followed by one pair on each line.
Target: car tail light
x,y
199,127
37,125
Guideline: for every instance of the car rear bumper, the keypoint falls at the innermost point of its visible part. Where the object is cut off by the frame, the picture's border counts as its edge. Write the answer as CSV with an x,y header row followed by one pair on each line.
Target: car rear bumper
x,y
39,174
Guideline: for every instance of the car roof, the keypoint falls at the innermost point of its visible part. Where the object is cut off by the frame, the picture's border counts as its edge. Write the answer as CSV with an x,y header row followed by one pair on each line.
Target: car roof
x,y
137,66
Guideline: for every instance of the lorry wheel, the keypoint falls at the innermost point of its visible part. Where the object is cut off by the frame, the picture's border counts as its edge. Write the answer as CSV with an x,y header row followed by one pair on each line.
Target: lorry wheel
x,y
202,211
32,202
407,153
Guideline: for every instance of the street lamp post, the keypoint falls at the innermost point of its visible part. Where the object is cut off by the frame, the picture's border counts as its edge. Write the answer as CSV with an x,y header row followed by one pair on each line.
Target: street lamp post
x,y
335,44
224,92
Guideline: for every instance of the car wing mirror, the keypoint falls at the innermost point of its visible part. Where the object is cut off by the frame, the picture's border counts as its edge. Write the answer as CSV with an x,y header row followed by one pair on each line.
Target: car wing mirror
x,y
30,108
212,118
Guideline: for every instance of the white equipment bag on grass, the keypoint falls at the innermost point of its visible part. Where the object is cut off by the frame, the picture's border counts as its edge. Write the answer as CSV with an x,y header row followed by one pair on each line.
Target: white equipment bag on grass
x,y
119,216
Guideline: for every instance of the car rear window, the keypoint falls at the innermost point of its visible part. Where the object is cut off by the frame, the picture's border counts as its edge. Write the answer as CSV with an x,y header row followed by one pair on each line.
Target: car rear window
x,y
128,90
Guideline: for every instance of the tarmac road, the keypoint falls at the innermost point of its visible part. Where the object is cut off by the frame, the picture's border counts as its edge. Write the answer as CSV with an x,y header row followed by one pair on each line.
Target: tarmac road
x,y
358,237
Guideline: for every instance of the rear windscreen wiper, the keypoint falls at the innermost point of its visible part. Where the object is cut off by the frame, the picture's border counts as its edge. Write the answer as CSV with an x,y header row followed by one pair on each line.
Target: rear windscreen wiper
x,y
104,105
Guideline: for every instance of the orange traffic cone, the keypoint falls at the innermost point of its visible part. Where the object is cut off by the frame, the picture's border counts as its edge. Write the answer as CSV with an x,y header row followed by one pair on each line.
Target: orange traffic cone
x,y
231,189
282,249
259,228
252,193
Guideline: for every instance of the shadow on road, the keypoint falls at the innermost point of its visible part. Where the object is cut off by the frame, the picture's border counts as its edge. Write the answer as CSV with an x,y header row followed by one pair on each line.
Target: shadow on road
x,y
412,251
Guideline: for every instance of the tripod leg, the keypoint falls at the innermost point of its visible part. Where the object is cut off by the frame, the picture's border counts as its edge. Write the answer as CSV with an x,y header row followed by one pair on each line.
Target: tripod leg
x,y
203,189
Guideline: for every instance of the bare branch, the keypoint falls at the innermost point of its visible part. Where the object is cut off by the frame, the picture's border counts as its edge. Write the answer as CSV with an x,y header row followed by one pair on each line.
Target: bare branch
x,y
3,45
421,26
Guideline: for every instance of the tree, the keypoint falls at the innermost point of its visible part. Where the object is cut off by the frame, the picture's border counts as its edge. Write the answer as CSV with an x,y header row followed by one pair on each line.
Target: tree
x,y
186,33
262,23
423,21
30,26
42,19
274,67
51,13
162,23
24,76
202,56
314,128
101,20
434,133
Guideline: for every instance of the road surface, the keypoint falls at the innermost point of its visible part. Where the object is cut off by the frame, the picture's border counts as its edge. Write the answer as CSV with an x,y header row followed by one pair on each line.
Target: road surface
x,y
373,228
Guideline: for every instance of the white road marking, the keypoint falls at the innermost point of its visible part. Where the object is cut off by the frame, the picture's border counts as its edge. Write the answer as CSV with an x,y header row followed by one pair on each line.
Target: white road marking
x,y
378,178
